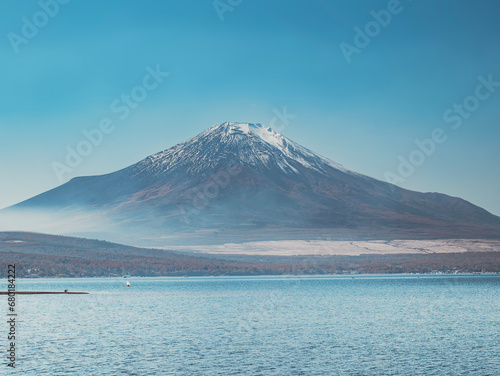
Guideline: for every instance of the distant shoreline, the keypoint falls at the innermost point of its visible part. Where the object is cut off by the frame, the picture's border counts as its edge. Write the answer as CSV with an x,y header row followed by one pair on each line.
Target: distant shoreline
x,y
42,293
277,276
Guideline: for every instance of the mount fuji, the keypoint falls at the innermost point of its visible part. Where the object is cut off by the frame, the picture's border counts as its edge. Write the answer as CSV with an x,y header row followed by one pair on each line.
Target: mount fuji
x,y
245,181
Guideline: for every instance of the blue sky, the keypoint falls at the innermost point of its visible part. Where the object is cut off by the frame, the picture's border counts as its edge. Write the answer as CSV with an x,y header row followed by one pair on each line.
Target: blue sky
x,y
263,56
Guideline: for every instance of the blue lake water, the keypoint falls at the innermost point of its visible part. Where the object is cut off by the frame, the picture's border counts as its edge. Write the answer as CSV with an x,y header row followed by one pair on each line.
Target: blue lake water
x,y
333,325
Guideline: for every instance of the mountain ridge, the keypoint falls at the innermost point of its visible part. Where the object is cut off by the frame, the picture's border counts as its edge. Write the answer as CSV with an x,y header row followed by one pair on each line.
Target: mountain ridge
x,y
241,176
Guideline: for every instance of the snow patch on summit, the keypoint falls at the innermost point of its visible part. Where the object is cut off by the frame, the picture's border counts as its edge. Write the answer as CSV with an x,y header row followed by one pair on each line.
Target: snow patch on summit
x,y
290,149
246,143
265,133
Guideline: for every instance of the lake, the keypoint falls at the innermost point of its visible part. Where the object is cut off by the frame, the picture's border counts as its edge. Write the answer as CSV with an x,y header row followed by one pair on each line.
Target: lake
x,y
316,325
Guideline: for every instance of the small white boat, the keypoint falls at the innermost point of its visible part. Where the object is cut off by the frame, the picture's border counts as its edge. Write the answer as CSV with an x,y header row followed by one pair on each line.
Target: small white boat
x,y
128,284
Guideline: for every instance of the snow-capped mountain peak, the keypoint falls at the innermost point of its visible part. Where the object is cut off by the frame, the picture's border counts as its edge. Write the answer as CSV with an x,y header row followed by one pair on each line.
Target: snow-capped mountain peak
x,y
253,129
243,176
256,131
239,131
249,144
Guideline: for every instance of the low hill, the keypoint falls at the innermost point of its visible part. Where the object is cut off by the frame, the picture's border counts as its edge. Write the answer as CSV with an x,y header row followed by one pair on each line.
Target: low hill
x,y
58,256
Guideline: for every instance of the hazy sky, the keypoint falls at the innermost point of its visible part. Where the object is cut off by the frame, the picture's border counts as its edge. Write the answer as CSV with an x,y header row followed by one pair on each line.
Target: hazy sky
x,y
233,60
